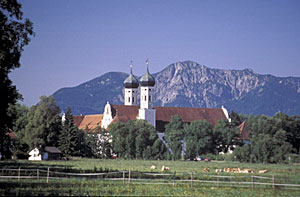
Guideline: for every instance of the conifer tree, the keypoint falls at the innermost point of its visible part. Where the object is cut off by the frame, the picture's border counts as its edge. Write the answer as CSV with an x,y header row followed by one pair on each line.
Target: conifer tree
x,y
69,138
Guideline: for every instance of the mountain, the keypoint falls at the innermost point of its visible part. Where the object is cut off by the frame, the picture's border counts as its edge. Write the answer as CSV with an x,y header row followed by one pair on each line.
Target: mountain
x,y
188,84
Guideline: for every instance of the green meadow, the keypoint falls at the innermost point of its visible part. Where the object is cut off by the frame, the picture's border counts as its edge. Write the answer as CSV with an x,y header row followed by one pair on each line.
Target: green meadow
x,y
165,186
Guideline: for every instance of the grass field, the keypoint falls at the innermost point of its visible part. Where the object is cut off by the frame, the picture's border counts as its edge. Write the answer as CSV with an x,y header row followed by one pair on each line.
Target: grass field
x,y
108,187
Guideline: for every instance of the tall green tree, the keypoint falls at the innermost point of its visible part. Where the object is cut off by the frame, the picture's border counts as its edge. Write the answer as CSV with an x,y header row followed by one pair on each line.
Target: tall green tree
x,y
15,33
174,135
198,139
225,136
19,113
44,123
136,139
68,141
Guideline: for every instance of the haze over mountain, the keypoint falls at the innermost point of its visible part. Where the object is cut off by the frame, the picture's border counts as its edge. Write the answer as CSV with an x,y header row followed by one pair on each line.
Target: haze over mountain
x,y
188,84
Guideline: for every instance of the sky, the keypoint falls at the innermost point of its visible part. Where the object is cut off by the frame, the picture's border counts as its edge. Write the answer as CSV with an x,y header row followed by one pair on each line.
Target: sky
x,y
78,40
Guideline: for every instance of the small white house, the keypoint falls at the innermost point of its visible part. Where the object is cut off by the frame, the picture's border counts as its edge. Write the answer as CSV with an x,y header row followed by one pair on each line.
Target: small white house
x,y
48,153
35,154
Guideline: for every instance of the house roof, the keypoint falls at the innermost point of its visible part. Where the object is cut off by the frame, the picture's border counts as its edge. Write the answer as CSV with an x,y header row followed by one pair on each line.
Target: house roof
x,y
77,119
51,149
11,134
122,113
244,135
90,121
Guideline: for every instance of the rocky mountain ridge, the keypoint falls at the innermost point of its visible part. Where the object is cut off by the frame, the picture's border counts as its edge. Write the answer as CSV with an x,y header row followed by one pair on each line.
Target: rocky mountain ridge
x,y
189,84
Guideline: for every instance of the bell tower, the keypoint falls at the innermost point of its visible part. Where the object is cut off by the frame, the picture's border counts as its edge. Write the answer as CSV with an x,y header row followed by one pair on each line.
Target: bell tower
x,y
147,111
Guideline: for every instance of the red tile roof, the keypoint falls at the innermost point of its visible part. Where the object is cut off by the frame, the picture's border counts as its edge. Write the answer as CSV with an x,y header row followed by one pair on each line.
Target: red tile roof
x,y
90,121
244,135
124,113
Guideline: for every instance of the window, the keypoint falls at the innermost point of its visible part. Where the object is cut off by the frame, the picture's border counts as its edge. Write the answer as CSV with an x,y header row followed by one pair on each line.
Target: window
x,y
133,99
149,98
145,98
128,99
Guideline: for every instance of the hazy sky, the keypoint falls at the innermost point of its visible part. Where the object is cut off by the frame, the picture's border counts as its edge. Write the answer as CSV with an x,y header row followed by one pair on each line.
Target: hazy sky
x,y
79,40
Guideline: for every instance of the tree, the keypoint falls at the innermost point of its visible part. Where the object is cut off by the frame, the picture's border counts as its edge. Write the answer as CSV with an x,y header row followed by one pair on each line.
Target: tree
x,y
15,34
69,137
174,136
44,124
136,139
19,113
198,139
225,136
236,120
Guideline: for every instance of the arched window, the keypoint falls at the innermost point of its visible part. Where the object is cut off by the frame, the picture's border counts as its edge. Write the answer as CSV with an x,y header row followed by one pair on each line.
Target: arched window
x,y
145,98
128,99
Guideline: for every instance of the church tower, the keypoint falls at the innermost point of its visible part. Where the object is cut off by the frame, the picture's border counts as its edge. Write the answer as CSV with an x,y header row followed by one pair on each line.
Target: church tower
x,y
147,111
131,85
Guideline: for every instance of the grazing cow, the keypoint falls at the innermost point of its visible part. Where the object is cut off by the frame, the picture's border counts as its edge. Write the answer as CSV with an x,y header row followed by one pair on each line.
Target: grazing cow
x,y
206,170
219,170
262,171
153,167
235,170
165,168
246,171
226,170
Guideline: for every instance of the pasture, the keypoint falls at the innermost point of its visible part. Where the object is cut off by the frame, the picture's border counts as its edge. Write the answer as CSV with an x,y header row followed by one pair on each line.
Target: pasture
x,y
183,178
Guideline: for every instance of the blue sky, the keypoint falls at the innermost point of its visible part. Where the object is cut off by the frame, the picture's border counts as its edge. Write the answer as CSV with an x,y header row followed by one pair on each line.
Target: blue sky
x,y
79,40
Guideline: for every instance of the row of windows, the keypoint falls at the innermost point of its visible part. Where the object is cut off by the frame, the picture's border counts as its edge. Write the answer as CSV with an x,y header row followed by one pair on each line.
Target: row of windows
x,y
145,99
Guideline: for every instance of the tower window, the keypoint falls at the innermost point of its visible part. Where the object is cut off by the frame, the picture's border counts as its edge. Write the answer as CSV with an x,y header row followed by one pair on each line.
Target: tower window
x,y
149,98
133,99
145,98
128,99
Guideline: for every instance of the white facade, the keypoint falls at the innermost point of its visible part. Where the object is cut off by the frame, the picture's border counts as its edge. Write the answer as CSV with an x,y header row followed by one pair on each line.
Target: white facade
x,y
146,100
131,96
226,113
35,155
148,115
107,116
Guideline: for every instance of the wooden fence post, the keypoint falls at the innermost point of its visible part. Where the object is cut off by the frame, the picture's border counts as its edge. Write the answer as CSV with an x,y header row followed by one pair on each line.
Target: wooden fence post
x,y
123,178
252,182
273,181
48,175
38,174
129,177
174,178
192,180
218,179
19,174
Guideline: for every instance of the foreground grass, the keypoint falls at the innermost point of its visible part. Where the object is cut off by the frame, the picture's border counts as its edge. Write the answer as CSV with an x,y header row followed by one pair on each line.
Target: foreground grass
x,y
107,188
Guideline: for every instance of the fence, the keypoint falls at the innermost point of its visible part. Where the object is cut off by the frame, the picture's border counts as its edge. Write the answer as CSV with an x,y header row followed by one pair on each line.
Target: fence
x,y
134,177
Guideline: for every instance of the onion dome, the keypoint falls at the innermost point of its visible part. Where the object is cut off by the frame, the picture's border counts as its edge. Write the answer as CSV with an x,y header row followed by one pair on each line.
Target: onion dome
x,y
147,79
131,81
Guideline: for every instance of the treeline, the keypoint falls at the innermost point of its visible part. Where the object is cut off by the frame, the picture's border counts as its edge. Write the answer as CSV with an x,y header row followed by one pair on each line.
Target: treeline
x,y
41,125
272,139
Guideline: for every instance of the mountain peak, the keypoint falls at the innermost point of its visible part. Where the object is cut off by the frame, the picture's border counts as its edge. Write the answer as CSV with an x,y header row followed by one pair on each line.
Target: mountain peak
x,y
189,84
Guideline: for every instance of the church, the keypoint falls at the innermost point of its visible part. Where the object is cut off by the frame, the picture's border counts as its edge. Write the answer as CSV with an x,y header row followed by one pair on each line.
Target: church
x,y
143,108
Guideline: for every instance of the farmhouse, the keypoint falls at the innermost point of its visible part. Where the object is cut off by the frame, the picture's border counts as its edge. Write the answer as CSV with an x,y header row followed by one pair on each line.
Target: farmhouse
x,y
145,110
48,153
